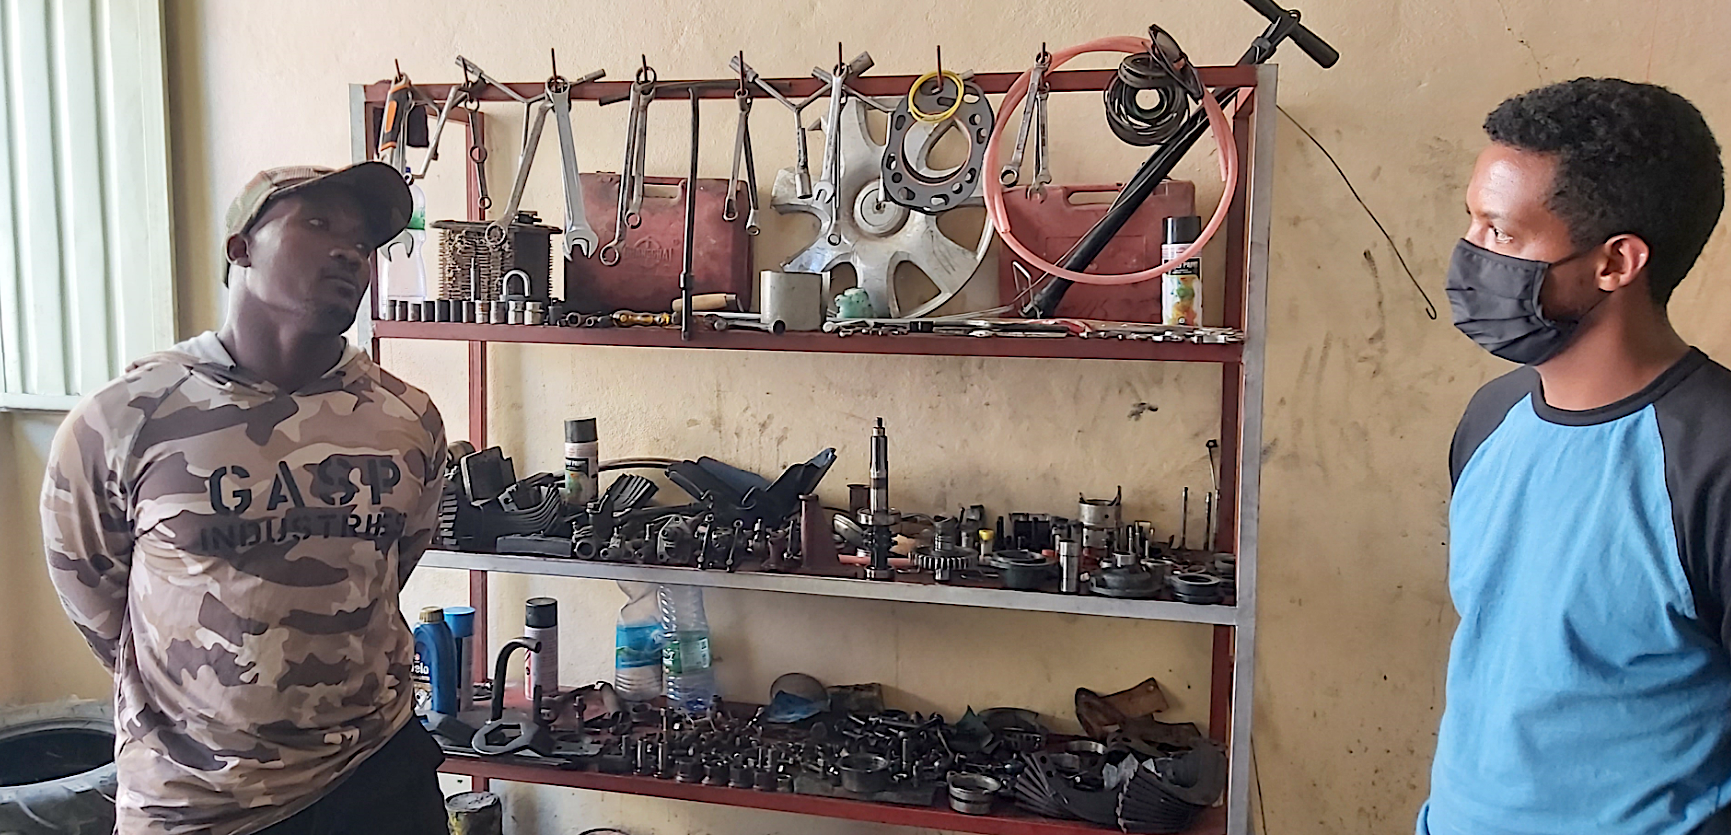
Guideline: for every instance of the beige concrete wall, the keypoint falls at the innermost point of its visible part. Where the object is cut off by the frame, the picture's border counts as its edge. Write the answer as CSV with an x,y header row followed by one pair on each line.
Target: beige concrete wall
x,y
1363,389
42,657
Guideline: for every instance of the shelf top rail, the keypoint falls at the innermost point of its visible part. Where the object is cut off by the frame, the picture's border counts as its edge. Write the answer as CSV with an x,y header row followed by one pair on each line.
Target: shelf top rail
x,y
994,83
901,591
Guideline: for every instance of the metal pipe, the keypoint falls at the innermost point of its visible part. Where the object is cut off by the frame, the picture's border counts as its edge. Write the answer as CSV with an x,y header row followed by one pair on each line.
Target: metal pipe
x,y
685,276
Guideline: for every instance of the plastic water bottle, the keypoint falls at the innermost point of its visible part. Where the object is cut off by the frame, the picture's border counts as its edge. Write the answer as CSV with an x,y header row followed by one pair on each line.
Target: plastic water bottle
x,y
404,267
685,662
637,644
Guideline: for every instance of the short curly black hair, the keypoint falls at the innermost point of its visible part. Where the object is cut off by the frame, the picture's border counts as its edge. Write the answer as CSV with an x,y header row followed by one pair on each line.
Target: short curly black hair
x,y
1632,159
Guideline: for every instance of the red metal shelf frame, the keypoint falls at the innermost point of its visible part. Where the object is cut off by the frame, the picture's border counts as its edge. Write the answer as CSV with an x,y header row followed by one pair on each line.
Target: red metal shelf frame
x,y
1008,821
1231,357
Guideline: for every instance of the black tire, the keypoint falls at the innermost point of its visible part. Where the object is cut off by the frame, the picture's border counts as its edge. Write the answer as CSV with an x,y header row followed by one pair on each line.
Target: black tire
x,y
54,802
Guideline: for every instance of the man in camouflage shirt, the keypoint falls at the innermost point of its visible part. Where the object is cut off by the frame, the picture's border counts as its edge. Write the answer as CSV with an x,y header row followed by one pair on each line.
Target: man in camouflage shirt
x,y
230,523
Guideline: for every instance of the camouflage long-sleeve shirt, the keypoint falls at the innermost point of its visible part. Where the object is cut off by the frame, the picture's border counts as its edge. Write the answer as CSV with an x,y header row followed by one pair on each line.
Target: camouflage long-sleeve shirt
x,y
234,554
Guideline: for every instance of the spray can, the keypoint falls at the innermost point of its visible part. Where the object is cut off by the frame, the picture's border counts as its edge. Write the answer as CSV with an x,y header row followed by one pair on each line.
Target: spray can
x,y
541,623
582,462
435,654
461,621
1181,288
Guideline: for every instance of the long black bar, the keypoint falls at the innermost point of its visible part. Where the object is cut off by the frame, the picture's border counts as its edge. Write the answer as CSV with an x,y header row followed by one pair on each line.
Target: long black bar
x,y
1044,303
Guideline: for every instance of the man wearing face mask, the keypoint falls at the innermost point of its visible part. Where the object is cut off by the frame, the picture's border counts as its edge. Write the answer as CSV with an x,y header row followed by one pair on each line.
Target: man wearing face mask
x,y
1589,685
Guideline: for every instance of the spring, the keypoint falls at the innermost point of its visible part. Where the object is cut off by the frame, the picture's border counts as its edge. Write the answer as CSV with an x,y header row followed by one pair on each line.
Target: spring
x,y
1129,120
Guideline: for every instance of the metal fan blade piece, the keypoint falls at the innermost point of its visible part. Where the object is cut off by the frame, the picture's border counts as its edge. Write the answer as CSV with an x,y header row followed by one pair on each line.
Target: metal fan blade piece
x,y
875,235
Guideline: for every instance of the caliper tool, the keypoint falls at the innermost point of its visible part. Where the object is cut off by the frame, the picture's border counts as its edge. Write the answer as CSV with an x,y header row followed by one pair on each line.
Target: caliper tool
x,y
578,233
1283,24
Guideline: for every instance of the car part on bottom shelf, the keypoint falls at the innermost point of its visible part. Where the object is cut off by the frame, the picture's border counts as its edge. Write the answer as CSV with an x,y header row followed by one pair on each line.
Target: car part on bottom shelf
x,y
1198,588
972,794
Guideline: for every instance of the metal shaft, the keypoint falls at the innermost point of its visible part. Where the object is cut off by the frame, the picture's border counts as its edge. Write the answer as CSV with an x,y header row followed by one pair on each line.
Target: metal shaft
x,y
1208,521
685,276
1184,521
880,469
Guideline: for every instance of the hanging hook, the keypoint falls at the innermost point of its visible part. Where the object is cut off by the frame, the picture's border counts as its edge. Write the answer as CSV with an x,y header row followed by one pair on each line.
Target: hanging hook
x,y
553,58
940,49
743,90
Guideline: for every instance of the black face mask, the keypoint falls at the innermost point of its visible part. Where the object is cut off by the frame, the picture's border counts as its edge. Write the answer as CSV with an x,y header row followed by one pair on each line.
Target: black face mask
x,y
1495,300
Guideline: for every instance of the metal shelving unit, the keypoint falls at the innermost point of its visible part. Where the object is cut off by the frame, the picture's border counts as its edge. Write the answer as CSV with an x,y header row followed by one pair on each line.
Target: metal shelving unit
x,y
908,589
1234,627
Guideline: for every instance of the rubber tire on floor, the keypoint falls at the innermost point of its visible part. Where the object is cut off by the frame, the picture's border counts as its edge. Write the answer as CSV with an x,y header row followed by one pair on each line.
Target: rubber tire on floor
x,y
82,804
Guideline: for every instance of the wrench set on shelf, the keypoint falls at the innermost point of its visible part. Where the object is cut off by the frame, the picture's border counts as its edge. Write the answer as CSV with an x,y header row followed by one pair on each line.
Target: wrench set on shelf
x,y
876,203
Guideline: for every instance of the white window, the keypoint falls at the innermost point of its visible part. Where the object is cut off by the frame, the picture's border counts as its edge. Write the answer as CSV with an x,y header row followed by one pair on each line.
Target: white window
x,y
86,265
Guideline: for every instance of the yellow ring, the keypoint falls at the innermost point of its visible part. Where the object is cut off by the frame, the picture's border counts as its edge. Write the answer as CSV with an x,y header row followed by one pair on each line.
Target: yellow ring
x,y
935,117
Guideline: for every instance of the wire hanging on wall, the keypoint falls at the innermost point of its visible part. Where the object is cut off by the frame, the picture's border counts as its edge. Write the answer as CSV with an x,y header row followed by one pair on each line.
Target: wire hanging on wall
x,y
1429,306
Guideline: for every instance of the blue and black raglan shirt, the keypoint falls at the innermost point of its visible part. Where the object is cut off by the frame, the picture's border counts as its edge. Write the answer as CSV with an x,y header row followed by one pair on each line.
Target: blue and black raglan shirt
x,y
1589,687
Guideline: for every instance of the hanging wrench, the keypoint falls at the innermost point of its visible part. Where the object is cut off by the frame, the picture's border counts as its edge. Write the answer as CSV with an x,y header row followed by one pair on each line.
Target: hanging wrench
x,y
828,185
802,169
742,146
497,230
639,169
578,233
1012,170
1042,161
630,200
460,95
751,227
478,155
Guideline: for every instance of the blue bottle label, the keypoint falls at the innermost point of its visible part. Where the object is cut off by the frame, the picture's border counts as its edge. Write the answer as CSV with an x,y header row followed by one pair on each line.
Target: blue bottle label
x,y
637,646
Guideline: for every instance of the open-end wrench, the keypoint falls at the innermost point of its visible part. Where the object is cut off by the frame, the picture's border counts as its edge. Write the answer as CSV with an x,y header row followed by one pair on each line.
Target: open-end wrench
x,y
578,233
1012,170
497,230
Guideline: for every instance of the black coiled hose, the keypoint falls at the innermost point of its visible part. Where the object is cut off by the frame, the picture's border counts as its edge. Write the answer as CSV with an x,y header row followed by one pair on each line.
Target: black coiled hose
x,y
1129,120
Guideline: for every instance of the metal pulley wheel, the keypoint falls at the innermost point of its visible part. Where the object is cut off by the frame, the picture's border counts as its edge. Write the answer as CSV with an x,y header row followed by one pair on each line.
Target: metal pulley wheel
x,y
969,112
874,234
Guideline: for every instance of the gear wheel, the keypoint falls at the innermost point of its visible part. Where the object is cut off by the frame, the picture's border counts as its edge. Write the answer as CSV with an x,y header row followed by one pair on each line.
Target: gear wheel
x,y
943,563
875,234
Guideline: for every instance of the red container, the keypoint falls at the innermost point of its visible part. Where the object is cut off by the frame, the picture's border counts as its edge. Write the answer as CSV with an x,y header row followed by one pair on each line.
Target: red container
x,y
1050,226
646,278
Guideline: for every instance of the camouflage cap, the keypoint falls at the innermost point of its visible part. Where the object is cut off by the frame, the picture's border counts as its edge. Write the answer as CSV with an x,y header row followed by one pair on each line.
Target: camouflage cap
x,y
381,191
